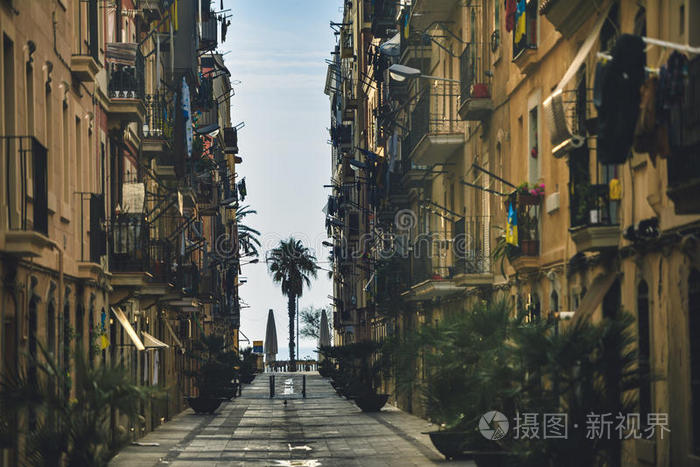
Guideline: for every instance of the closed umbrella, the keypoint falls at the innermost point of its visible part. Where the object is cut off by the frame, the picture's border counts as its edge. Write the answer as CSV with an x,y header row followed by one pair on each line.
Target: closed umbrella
x,y
324,336
271,338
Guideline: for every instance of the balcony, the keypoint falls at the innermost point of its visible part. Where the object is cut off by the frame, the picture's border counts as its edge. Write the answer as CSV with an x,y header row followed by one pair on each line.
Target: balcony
x,y
436,132
426,13
594,218
525,38
208,39
383,18
567,16
159,123
415,45
471,256
84,65
525,257
475,96
26,179
125,82
431,276
341,135
684,179
188,280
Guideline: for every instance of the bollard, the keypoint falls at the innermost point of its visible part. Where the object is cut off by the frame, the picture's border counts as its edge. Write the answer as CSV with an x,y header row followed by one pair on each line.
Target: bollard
x,y
272,386
303,386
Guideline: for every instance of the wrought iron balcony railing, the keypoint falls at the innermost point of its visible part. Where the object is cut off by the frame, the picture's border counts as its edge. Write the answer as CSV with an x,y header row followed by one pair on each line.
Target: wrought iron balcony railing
x,y
435,113
591,205
160,117
129,245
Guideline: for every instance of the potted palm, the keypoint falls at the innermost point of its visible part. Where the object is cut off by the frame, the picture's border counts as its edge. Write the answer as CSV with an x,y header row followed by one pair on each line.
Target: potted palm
x,y
215,374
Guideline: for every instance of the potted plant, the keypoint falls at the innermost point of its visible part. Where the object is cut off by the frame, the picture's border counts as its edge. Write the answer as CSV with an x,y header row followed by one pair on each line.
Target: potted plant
x,y
457,352
215,374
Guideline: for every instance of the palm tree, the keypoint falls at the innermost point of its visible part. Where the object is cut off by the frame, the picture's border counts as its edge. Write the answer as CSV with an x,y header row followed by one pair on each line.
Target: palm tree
x,y
247,236
292,265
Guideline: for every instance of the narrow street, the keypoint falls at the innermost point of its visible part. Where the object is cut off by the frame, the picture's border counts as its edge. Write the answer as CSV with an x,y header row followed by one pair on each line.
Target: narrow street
x,y
321,430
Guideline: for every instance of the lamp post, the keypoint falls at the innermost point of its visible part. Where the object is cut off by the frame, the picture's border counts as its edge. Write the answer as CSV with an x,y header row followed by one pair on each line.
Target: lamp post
x,y
401,73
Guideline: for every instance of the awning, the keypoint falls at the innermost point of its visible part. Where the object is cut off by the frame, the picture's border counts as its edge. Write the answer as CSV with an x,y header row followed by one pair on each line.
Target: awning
x,y
151,342
127,327
595,294
174,336
430,289
392,47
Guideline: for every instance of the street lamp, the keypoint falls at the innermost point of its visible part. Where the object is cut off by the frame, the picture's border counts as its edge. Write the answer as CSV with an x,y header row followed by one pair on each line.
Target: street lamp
x,y
401,73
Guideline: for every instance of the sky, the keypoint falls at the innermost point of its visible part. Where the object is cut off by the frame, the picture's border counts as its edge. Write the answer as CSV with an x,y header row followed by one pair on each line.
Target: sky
x,y
275,50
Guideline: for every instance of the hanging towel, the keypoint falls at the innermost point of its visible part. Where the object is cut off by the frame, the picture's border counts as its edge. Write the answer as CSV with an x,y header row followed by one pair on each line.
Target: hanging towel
x,y
620,82
511,7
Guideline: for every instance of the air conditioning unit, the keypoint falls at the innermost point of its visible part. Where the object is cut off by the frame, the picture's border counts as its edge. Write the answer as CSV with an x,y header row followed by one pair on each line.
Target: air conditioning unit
x,y
562,138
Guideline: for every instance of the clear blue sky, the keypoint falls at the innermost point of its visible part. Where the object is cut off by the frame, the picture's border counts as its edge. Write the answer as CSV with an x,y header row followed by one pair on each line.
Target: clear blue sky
x,y
276,49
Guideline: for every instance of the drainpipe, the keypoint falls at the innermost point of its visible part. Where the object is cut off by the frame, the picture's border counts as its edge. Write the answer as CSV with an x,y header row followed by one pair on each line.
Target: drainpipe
x,y
55,246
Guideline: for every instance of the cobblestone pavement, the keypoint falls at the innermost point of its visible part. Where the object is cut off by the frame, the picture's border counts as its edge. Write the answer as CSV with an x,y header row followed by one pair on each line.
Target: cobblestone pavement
x,y
321,430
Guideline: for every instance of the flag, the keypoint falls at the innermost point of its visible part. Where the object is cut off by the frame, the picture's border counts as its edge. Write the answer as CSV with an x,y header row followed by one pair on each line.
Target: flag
x,y
512,226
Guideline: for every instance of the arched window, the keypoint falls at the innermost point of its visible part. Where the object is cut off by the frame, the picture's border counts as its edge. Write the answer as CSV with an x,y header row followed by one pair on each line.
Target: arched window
x,y
554,302
91,336
644,346
694,329
534,308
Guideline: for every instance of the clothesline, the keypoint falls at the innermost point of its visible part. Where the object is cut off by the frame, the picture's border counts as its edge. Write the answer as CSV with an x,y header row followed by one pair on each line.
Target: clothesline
x,y
604,56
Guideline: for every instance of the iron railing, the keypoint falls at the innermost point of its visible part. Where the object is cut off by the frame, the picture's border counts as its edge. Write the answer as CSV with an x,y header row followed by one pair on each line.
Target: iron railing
x,y
161,261
383,17
188,279
591,205
160,117
435,113
129,243
472,75
20,154
208,39
471,246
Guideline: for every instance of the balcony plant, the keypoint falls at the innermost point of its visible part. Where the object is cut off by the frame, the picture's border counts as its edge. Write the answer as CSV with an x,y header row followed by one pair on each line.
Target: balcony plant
x,y
215,374
530,194
457,351
68,431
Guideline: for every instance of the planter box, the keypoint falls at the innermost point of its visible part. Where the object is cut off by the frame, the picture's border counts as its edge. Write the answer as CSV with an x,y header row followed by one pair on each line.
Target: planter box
x,y
526,199
204,404
371,402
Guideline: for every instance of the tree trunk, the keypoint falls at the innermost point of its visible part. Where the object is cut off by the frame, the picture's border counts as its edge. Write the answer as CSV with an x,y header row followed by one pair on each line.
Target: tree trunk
x,y
291,306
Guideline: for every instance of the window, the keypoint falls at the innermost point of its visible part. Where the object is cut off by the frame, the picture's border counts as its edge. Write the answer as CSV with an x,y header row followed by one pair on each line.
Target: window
x,y
694,328
644,351
612,300
8,73
533,145
51,328
66,334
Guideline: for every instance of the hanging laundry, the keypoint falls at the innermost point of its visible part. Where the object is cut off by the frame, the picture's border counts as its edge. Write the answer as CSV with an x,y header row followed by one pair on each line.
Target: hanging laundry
x,y
691,105
651,133
618,99
670,94
511,7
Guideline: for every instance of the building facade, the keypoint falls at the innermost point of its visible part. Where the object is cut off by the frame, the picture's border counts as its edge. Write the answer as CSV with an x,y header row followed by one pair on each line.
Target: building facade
x,y
478,156
119,190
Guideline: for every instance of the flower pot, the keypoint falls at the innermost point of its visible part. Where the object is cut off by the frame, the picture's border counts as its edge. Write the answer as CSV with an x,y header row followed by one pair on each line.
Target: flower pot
x,y
450,443
371,402
204,404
